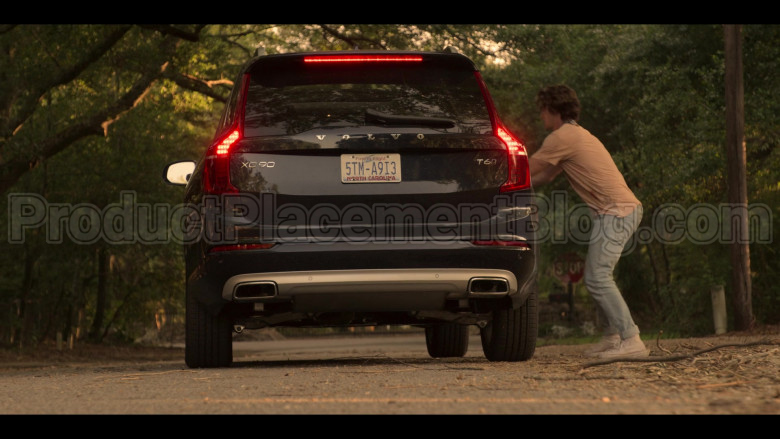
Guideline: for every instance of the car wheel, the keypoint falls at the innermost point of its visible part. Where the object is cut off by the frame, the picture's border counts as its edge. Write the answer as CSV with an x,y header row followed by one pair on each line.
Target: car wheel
x,y
208,338
511,333
447,340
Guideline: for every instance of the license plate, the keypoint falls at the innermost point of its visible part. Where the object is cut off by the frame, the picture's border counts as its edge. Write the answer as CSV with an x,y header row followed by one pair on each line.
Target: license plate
x,y
370,168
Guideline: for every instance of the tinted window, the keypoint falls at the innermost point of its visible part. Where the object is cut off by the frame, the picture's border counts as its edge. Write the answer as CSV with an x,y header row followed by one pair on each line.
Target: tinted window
x,y
229,115
292,98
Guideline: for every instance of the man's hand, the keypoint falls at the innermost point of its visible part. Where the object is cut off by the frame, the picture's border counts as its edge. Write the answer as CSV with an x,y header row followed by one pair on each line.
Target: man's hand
x,y
542,172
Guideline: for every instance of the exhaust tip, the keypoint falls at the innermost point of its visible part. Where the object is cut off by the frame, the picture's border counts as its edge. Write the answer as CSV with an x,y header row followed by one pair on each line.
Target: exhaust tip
x,y
255,290
488,286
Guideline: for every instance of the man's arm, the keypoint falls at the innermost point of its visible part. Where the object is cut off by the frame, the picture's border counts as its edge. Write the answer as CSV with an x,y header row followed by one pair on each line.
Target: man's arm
x,y
542,172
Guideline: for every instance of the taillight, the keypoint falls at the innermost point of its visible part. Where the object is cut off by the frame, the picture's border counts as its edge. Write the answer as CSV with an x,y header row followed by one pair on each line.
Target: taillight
x,y
361,58
498,243
234,247
216,172
518,174
224,146
517,162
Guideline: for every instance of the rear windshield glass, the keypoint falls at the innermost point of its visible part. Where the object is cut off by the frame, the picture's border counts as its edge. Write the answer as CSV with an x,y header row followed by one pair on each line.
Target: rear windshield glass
x,y
292,98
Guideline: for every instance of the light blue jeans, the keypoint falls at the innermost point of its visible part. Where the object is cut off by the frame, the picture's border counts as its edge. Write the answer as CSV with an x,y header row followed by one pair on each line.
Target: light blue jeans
x,y
607,241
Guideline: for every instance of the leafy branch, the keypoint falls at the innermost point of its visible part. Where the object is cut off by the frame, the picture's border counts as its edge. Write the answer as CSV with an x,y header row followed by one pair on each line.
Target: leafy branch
x,y
31,101
199,85
11,169
352,41
465,39
166,29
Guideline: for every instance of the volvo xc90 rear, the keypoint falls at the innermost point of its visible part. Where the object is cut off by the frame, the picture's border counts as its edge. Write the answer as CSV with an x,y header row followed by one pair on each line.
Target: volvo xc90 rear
x,y
362,188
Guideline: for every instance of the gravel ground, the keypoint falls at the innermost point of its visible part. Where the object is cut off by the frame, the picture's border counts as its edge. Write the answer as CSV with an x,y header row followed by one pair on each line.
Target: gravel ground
x,y
372,377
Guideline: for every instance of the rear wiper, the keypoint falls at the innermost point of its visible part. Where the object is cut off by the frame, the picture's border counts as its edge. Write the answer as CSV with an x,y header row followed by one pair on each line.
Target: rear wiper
x,y
391,119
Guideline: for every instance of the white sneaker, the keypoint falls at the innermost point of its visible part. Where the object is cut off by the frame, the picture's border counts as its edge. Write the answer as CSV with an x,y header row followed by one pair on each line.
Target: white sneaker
x,y
607,342
630,347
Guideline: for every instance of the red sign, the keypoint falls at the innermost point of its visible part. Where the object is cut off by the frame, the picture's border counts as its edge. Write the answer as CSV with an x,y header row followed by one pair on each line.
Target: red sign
x,y
569,267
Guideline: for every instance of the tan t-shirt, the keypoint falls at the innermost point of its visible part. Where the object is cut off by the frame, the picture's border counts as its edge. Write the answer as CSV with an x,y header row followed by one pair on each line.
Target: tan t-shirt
x,y
589,168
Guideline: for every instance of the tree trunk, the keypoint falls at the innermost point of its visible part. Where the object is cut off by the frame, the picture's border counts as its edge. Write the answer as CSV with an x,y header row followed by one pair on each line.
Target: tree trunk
x,y
96,333
54,315
737,180
27,281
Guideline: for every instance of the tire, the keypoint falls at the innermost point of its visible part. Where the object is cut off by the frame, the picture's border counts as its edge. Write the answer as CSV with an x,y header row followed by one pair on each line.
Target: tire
x,y
447,340
208,338
511,333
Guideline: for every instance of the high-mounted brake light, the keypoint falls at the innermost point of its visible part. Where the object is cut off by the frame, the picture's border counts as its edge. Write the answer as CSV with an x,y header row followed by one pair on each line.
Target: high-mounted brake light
x,y
361,58
517,157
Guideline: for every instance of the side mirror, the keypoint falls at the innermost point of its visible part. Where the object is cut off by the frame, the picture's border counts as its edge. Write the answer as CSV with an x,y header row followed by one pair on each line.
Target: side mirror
x,y
179,173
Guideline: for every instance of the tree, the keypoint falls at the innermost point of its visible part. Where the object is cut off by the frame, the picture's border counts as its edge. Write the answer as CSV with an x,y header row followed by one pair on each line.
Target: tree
x,y
736,164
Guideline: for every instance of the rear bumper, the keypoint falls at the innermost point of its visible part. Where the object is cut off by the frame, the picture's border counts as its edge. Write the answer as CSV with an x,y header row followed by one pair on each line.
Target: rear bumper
x,y
457,283
365,277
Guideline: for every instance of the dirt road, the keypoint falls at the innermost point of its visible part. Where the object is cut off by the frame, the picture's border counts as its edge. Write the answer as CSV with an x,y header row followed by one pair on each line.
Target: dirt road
x,y
393,374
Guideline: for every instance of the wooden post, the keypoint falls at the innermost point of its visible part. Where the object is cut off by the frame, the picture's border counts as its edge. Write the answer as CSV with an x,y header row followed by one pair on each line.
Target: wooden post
x,y
719,318
737,179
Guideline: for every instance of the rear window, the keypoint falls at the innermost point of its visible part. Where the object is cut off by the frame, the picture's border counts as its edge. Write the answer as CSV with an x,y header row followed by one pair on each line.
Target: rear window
x,y
288,98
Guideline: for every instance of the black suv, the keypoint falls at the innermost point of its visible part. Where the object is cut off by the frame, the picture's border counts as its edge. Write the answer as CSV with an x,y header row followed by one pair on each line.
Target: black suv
x,y
361,188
